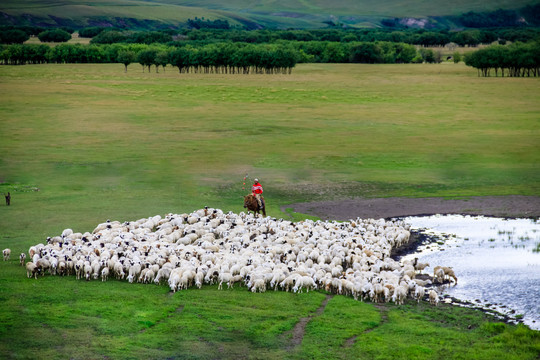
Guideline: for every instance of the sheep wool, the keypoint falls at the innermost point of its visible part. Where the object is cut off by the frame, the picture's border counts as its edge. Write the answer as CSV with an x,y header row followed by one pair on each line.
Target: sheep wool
x,y
210,246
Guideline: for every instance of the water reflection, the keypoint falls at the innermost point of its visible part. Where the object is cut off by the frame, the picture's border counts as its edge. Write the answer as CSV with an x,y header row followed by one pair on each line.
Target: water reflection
x,y
497,261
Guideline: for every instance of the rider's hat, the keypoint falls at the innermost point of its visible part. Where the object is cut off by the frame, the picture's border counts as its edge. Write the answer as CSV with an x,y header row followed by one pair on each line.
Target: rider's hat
x,y
256,180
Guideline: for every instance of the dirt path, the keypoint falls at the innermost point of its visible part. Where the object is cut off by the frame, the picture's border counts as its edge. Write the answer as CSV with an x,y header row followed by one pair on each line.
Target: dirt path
x,y
299,329
384,318
502,206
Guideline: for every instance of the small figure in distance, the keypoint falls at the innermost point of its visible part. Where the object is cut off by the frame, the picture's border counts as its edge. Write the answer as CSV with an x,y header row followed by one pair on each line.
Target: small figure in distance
x,y
257,191
8,199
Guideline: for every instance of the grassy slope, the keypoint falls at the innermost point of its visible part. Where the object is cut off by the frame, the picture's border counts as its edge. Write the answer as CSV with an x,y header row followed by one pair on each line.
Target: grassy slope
x,y
396,8
101,144
298,13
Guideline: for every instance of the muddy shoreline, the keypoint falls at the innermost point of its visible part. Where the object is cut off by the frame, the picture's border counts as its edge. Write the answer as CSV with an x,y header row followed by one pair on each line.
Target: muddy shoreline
x,y
510,206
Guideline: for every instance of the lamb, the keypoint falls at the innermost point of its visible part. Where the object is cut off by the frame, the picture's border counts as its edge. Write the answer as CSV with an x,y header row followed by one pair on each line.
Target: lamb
x,y
433,297
149,276
104,274
259,285
31,270
7,254
22,258
87,270
199,278
419,292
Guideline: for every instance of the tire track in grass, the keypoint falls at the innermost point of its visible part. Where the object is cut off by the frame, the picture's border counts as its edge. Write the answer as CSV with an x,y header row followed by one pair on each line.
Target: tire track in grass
x,y
383,310
178,310
299,329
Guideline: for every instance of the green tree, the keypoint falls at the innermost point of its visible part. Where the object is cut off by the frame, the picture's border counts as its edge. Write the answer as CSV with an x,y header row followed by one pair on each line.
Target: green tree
x,y
457,57
90,32
146,58
126,57
334,53
368,53
161,59
13,37
56,35
427,55
180,58
109,37
467,38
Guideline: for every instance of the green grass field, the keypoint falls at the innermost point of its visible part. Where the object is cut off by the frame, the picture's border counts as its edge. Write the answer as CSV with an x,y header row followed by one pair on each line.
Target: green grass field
x,y
80,144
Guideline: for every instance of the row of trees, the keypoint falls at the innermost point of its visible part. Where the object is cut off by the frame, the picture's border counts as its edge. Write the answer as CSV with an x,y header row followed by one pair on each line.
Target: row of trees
x,y
221,57
515,60
413,37
266,59
101,35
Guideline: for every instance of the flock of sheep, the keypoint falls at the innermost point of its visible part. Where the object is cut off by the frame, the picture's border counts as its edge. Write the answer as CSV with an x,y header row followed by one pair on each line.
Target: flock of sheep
x,y
209,246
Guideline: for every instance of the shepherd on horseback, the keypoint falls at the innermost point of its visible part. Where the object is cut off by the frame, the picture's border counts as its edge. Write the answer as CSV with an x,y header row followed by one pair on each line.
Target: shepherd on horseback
x,y
255,201
257,191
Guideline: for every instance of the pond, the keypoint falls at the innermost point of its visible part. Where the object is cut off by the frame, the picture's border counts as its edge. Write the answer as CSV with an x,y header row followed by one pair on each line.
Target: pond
x,y
496,260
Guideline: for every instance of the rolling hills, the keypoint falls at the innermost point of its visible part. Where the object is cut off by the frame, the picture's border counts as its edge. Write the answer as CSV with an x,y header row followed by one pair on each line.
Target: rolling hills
x,y
248,14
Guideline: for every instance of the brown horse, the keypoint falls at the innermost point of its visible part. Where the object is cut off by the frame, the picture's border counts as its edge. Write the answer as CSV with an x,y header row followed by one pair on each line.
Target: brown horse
x,y
251,203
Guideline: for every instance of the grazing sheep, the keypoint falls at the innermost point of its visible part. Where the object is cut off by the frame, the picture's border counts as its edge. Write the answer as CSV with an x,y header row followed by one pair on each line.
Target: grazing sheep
x,y
419,293
104,274
209,246
438,274
449,272
31,270
400,294
43,264
7,254
433,297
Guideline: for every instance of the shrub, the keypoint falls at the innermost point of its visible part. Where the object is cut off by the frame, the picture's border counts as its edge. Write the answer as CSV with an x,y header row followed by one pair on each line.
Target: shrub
x,y
56,35
13,37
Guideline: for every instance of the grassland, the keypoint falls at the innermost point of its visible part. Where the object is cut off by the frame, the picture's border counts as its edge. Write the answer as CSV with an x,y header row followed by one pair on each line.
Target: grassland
x,y
297,13
83,143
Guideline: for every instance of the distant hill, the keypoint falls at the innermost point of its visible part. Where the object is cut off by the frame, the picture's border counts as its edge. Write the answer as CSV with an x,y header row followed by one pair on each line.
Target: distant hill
x,y
253,14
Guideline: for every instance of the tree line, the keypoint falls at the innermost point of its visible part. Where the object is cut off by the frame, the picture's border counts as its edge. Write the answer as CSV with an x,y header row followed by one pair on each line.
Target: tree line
x,y
221,57
515,60
412,37
528,15
215,58
207,35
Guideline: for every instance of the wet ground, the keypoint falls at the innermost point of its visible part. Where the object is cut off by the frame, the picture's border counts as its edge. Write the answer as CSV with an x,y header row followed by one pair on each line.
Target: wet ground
x,y
496,260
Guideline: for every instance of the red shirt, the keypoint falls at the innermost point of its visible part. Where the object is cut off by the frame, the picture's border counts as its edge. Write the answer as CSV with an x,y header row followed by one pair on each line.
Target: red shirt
x,y
257,188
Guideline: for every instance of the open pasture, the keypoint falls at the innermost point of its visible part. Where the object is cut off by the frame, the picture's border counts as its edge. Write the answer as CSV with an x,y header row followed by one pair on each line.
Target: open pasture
x,y
80,144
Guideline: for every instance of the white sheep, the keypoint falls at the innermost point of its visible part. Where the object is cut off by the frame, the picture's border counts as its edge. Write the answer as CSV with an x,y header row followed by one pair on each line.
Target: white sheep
x,y
400,294
419,292
31,270
104,274
433,297
22,259
208,246
6,253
